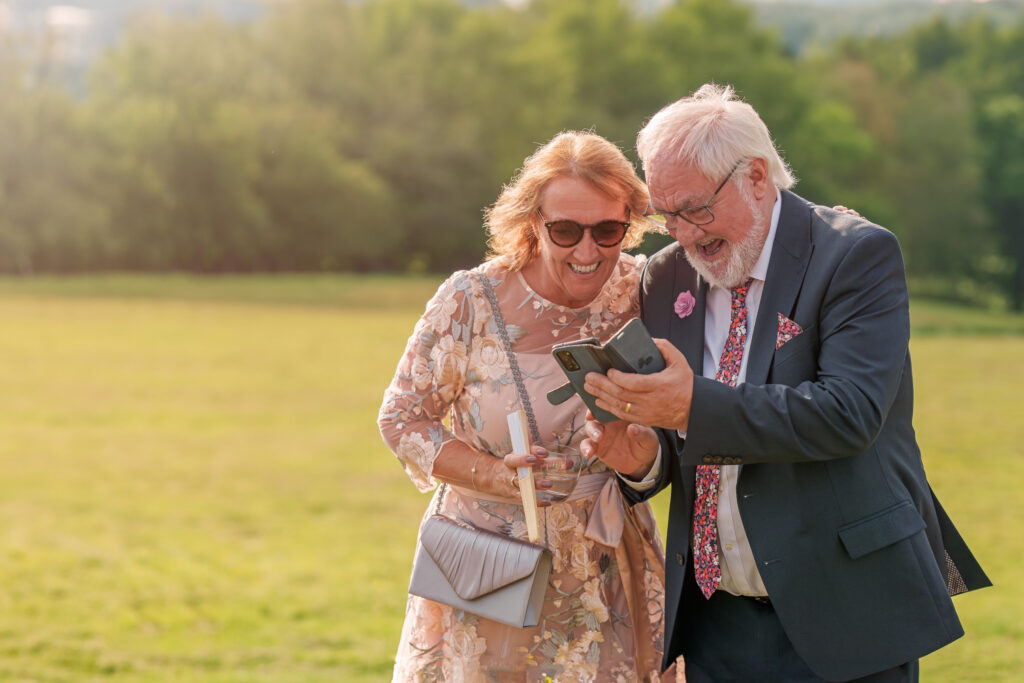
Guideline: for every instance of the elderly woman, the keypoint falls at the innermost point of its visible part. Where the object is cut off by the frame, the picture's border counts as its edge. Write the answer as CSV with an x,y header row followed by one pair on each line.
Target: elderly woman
x,y
558,274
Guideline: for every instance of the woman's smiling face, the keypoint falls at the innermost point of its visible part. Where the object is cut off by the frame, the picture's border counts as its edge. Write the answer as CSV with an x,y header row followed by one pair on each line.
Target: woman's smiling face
x,y
573,276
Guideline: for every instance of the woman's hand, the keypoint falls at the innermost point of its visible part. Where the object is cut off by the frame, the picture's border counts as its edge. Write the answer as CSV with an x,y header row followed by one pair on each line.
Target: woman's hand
x,y
460,464
537,457
845,209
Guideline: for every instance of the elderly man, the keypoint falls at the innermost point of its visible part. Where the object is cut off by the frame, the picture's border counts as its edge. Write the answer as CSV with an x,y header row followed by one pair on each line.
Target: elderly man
x,y
804,542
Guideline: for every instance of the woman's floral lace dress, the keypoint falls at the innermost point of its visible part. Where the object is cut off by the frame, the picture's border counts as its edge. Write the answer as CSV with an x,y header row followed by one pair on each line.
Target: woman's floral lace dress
x,y
602,618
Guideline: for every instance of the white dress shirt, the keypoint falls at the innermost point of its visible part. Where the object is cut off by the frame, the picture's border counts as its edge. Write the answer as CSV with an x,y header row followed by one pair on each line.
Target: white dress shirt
x,y
739,570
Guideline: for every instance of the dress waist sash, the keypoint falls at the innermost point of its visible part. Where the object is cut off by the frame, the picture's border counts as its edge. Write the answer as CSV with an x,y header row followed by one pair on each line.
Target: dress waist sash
x,y
607,513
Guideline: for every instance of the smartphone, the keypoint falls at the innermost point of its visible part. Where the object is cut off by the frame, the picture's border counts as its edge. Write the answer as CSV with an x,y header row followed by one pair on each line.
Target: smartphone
x,y
630,349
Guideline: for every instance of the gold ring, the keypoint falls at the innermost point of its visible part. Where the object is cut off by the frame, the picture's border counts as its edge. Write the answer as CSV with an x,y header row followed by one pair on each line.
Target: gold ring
x,y
515,482
628,406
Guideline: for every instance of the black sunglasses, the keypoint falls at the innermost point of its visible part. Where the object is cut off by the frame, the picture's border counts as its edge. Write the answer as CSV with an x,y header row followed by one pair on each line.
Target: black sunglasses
x,y
566,233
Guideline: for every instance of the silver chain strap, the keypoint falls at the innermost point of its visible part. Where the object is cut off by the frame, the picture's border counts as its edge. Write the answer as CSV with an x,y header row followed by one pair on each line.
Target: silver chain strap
x,y
517,375
440,494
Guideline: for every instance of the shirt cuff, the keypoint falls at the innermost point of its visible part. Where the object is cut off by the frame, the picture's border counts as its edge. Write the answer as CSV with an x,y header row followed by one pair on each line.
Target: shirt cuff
x,y
648,481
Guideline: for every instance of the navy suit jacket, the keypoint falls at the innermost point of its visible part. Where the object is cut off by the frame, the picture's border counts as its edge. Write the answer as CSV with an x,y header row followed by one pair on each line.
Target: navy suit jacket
x,y
858,557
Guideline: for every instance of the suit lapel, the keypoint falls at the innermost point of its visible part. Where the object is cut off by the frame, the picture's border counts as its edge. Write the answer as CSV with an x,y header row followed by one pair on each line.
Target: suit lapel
x,y
790,255
688,333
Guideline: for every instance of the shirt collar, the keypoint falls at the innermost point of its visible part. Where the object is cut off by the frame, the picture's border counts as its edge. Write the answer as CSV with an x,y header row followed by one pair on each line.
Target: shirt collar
x,y
760,269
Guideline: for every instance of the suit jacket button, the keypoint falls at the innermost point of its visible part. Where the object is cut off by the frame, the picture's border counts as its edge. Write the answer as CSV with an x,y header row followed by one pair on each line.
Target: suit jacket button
x,y
679,559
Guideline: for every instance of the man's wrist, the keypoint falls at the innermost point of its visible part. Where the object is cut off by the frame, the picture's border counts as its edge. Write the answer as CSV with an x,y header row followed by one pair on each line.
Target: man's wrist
x,y
644,479
639,474
682,416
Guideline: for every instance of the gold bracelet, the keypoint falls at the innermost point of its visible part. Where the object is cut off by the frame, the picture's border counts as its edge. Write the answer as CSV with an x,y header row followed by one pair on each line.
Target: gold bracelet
x,y
472,471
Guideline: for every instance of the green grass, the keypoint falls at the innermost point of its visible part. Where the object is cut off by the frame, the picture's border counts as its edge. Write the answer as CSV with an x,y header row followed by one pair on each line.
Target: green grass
x,y
192,486
350,292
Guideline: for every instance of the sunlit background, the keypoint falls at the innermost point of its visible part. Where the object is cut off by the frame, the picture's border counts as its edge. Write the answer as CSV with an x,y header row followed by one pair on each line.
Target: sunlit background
x,y
220,219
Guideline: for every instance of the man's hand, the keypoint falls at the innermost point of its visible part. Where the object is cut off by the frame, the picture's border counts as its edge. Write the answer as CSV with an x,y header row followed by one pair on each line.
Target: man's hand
x,y
626,448
661,399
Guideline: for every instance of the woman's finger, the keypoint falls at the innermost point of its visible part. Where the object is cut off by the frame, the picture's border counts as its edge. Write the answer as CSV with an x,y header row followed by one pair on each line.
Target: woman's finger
x,y
514,460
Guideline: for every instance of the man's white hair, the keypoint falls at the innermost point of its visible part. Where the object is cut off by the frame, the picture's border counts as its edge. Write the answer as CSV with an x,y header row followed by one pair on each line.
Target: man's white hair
x,y
712,131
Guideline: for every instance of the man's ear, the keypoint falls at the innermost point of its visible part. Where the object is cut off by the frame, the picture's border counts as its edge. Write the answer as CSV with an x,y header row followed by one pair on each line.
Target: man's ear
x,y
757,173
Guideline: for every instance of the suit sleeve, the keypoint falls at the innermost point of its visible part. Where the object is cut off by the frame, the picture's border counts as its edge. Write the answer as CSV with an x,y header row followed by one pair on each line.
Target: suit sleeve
x,y
863,336
668,441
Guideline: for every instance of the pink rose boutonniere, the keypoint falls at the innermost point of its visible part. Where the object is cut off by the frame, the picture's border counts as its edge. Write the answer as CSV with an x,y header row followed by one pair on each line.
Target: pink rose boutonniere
x,y
684,304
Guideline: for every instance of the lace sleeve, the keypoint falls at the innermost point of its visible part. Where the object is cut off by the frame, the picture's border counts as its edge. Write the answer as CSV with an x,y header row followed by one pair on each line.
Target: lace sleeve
x,y
430,378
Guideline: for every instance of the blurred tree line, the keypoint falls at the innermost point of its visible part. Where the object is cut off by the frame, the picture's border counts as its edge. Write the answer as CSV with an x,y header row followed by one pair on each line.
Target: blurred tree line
x,y
369,135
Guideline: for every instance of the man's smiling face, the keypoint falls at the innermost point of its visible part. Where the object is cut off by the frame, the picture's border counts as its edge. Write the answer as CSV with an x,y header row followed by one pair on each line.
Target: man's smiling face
x,y
724,251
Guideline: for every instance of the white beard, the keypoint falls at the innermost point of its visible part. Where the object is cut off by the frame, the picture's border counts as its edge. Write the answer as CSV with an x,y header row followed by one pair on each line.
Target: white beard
x,y
742,255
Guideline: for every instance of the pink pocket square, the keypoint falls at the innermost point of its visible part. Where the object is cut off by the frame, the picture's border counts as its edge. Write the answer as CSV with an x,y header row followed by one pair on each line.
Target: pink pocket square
x,y
787,330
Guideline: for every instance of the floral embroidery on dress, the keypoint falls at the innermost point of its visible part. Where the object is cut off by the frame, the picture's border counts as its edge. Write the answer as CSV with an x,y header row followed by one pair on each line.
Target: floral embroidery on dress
x,y
604,315
453,383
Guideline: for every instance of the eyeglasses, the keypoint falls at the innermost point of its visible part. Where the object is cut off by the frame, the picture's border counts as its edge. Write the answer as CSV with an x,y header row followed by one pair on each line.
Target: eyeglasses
x,y
697,215
566,233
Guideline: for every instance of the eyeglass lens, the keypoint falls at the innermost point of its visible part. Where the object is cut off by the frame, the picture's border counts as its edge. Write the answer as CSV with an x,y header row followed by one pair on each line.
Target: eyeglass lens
x,y
699,215
569,233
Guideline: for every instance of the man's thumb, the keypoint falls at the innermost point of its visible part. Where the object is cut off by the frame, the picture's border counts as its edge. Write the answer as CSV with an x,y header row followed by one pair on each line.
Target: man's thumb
x,y
644,437
669,351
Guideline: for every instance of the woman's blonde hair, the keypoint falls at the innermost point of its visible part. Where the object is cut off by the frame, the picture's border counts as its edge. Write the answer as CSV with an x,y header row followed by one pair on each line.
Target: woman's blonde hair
x,y
511,222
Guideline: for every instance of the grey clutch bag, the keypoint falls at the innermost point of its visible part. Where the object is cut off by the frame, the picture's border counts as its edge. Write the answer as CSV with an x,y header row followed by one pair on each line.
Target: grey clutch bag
x,y
493,576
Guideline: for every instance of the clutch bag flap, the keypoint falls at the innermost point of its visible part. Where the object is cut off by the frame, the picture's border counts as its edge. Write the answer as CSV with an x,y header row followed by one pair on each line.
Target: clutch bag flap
x,y
477,562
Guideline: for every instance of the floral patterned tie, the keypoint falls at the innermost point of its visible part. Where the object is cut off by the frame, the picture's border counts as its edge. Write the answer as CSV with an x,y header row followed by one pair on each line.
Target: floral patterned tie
x,y
705,507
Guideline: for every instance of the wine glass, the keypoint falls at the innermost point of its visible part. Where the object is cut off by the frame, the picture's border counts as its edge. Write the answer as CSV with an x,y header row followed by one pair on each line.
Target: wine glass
x,y
562,468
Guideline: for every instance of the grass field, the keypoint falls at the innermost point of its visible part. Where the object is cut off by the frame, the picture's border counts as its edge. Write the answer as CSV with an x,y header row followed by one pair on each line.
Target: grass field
x,y
192,487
